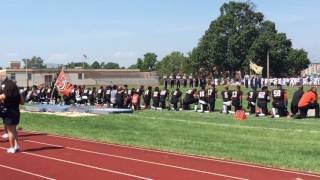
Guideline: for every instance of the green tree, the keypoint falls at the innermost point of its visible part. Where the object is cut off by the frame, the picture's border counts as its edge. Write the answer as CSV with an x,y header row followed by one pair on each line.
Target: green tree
x,y
95,65
148,62
112,65
298,58
34,62
176,62
241,34
77,65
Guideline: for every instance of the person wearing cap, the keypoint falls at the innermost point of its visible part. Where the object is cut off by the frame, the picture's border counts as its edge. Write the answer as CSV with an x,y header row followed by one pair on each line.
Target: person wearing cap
x,y
309,100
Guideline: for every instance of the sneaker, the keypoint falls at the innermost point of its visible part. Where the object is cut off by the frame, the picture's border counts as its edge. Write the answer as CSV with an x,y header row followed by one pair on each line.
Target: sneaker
x,y
11,150
17,148
5,136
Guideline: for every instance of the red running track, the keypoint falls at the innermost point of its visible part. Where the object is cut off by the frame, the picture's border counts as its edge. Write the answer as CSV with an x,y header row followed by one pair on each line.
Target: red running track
x,y
51,157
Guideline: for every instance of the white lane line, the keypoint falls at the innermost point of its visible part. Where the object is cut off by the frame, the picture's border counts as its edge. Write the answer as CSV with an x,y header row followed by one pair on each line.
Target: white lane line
x,y
85,165
26,172
182,155
139,160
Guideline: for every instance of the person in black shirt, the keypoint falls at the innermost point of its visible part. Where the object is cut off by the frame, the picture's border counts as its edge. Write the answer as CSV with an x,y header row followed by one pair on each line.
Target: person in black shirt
x,y
119,98
99,96
237,99
11,98
163,98
190,98
175,98
226,96
212,95
263,99
107,95
278,103
147,97
156,98
203,99
295,100
252,98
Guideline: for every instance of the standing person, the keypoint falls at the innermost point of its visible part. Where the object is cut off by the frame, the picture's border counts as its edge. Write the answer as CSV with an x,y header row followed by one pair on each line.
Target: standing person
x,y
309,100
147,95
252,99
184,79
263,99
172,81
212,95
119,98
295,100
196,81
178,80
237,98
11,99
191,81
226,96
165,81
107,95
113,95
100,94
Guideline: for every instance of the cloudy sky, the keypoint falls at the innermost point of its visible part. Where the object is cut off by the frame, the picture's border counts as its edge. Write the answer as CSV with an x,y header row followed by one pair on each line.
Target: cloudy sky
x,y
62,31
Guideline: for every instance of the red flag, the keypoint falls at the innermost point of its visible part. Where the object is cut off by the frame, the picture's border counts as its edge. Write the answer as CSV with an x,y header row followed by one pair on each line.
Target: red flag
x,y
64,87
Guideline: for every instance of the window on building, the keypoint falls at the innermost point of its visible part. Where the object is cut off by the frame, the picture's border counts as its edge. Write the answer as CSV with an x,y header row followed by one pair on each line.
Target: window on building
x,y
29,76
13,76
79,75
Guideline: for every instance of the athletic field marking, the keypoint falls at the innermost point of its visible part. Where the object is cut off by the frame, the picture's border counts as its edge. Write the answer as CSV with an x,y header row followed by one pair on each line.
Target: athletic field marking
x,y
85,165
26,172
139,160
224,125
183,155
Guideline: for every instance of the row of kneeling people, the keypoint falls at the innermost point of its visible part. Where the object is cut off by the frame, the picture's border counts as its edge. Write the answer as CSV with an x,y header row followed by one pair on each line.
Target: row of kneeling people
x,y
204,100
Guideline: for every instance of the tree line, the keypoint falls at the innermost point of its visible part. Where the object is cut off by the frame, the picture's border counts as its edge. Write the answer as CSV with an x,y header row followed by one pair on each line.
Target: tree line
x,y
239,35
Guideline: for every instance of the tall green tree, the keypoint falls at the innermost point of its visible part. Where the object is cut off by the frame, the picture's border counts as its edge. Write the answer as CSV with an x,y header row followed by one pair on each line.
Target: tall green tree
x,y
34,62
298,58
148,62
241,34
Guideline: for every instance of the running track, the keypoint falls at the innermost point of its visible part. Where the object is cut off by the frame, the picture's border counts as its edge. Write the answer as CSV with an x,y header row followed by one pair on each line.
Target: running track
x,y
52,157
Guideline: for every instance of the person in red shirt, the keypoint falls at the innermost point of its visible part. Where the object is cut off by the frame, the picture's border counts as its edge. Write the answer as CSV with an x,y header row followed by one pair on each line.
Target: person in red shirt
x,y
309,100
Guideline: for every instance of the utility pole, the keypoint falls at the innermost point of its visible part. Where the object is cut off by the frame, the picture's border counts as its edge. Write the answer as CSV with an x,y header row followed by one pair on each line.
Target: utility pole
x,y
268,64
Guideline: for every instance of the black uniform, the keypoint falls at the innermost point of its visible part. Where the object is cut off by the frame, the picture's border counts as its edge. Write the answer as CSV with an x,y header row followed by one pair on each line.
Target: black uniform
x,y
263,99
204,99
120,99
189,99
236,100
279,101
211,98
175,98
163,98
107,95
156,98
147,98
252,99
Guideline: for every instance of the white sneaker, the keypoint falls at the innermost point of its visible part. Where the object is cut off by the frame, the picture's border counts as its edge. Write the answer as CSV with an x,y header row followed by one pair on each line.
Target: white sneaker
x,y
17,148
11,150
5,136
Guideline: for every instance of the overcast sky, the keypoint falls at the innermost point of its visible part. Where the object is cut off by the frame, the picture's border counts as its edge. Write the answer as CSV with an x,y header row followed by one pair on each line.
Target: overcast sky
x,y
61,31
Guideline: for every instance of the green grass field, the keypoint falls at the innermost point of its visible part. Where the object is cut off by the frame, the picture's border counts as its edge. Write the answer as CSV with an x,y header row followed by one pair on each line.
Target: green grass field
x,y
285,143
